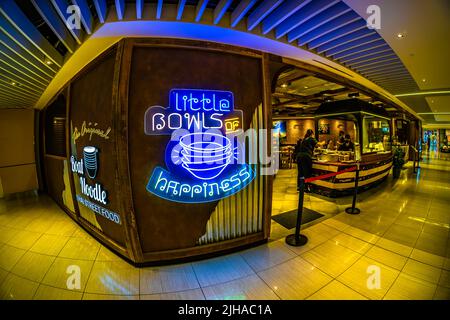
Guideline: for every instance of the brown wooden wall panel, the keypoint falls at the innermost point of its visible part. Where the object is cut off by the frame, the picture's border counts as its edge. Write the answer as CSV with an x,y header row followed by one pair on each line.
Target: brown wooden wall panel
x,y
92,124
54,172
105,110
165,225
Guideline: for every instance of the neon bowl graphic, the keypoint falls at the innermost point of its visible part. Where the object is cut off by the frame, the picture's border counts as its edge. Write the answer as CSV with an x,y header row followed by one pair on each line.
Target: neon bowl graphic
x,y
90,161
205,155
194,158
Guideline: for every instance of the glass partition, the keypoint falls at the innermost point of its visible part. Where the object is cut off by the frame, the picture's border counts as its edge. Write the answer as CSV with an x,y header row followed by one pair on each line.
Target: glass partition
x,y
332,132
376,134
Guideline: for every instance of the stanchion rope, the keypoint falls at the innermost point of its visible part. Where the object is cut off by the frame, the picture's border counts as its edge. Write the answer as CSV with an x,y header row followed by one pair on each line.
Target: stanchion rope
x,y
329,175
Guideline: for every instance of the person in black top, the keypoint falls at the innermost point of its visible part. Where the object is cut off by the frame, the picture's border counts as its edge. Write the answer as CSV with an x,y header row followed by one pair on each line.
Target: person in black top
x,y
304,156
348,145
341,138
297,148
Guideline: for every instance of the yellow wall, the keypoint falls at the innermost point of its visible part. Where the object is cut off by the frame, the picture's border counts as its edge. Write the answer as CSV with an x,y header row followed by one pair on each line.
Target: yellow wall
x,y
296,129
17,159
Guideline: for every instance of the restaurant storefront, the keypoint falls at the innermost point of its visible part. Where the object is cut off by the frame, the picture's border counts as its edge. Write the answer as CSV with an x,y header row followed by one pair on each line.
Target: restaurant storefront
x,y
162,149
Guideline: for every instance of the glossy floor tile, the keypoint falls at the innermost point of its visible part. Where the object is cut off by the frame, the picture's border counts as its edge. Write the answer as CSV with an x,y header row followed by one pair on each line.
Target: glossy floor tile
x,y
60,271
168,279
336,288
406,287
33,266
221,269
327,254
386,257
195,294
50,293
358,277
111,277
295,279
248,288
267,255
397,248
17,288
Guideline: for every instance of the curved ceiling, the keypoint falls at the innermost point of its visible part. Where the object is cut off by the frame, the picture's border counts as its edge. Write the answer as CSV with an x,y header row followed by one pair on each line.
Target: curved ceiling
x,y
424,49
35,41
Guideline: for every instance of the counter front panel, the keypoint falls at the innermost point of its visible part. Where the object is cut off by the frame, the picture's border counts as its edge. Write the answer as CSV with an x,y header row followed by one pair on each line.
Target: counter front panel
x,y
372,172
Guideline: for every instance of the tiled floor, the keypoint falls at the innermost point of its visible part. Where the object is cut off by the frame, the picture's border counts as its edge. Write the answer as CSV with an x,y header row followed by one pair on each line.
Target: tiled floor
x,y
402,235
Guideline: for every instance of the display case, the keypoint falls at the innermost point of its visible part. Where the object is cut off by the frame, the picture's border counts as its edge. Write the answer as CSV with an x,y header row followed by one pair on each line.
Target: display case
x,y
376,134
367,127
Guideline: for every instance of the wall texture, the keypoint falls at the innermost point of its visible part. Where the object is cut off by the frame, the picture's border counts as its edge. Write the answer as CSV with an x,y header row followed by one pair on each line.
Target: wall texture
x,y
296,129
17,160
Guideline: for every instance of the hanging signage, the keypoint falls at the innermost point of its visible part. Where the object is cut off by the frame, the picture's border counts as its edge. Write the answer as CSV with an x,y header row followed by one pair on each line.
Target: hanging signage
x,y
92,191
203,158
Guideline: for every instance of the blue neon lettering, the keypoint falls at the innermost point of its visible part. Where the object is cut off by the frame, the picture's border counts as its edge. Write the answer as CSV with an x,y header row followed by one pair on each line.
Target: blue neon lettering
x,y
174,189
163,187
200,156
189,100
204,101
213,117
224,105
158,126
172,124
191,119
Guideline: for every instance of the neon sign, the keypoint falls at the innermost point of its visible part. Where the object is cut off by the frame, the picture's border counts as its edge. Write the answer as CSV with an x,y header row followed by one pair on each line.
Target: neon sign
x,y
201,157
194,110
96,192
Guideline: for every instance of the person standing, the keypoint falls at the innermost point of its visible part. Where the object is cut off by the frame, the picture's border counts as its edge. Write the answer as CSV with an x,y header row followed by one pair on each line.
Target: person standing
x,y
347,145
304,157
340,139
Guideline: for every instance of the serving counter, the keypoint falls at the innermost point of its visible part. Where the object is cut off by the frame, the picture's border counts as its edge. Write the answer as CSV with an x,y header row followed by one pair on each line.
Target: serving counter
x,y
368,129
373,170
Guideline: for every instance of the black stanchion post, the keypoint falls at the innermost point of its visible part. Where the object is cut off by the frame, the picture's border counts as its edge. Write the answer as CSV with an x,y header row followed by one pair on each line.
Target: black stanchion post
x,y
418,160
298,239
353,209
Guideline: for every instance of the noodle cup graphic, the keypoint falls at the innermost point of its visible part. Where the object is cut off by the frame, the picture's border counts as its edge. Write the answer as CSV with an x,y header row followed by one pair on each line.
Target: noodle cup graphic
x,y
206,158
90,161
205,155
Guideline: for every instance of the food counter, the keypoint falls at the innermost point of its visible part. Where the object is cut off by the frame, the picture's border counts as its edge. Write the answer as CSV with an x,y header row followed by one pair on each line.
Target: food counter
x,y
373,171
368,128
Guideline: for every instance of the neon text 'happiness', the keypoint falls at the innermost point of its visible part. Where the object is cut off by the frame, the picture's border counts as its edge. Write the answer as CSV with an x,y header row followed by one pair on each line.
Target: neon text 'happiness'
x,y
165,185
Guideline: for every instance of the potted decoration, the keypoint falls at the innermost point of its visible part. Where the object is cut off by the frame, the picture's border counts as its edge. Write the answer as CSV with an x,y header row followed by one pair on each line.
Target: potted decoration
x,y
398,162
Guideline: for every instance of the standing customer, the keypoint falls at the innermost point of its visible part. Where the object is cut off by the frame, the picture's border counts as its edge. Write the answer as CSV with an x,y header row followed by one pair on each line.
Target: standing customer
x,y
304,157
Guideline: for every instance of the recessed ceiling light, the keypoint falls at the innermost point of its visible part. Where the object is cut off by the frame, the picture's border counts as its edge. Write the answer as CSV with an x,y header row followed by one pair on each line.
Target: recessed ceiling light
x,y
284,85
13,83
306,87
47,61
400,35
423,80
